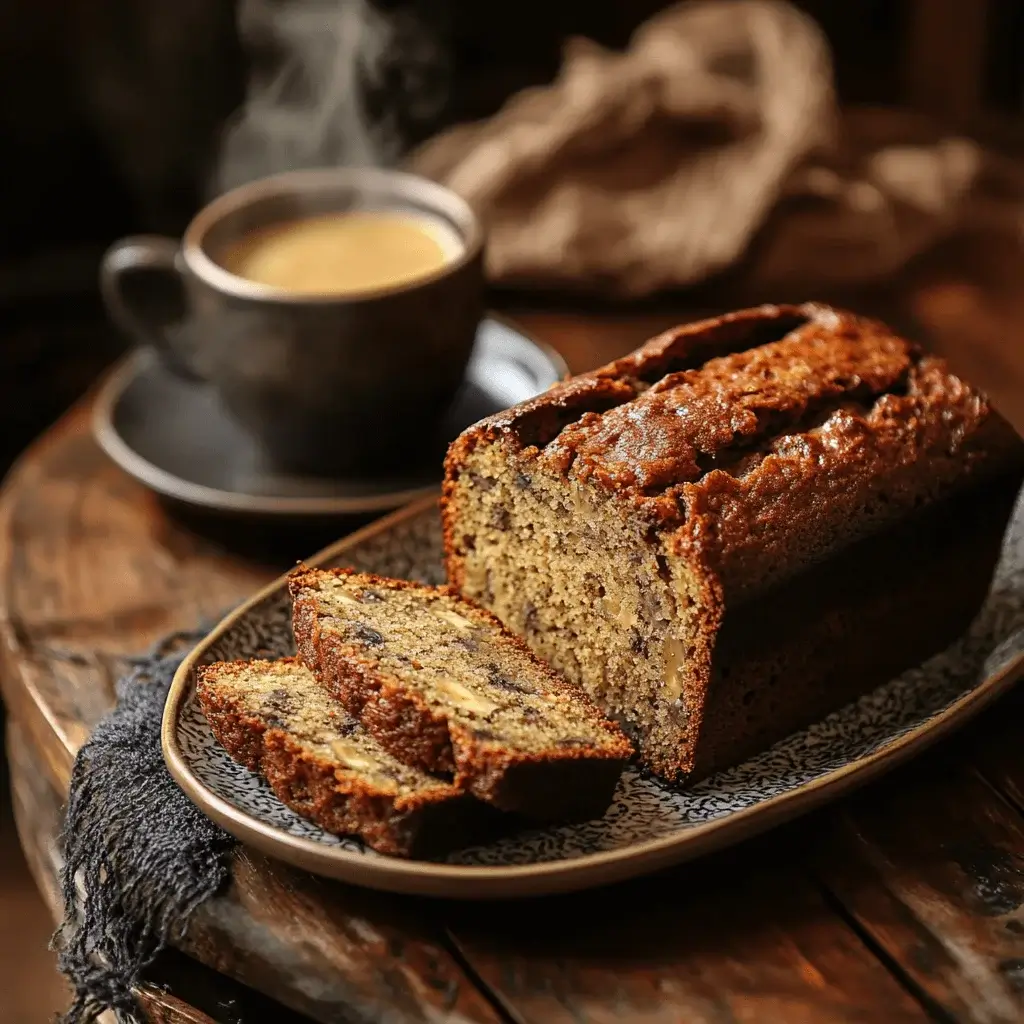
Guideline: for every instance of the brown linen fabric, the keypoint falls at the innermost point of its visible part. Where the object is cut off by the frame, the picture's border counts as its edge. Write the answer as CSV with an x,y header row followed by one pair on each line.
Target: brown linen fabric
x,y
655,168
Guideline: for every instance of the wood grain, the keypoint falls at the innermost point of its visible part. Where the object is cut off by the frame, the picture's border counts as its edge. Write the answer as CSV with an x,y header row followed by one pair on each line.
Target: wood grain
x,y
931,868
321,948
90,572
996,751
744,937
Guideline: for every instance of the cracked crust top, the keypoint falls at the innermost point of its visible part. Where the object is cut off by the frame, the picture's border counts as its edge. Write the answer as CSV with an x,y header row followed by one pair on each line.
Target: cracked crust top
x,y
757,442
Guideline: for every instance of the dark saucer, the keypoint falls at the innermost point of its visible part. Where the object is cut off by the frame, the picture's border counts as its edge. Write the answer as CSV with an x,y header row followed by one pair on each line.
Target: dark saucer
x,y
175,438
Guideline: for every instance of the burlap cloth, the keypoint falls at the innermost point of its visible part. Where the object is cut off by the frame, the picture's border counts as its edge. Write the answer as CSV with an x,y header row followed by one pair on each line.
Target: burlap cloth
x,y
657,167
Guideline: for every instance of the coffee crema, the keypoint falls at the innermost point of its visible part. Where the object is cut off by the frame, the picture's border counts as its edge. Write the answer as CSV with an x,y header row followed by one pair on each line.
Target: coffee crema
x,y
342,253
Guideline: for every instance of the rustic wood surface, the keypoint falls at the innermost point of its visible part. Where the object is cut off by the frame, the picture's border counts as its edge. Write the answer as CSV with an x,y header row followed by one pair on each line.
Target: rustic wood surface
x,y
901,903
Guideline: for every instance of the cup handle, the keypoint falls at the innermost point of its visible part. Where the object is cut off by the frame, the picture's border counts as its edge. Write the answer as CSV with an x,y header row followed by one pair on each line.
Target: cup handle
x,y
143,290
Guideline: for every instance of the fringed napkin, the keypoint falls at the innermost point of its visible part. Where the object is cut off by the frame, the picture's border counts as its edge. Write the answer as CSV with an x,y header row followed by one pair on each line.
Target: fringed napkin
x,y
139,857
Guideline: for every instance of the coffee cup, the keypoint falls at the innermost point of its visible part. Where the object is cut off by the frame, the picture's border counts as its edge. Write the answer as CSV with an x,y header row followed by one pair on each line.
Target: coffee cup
x,y
325,379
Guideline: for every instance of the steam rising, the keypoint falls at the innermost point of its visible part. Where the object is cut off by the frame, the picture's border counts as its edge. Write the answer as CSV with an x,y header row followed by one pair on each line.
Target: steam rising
x,y
314,63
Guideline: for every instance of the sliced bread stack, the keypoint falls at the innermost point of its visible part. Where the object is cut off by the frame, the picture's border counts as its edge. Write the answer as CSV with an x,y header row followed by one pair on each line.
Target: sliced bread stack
x,y
274,718
410,717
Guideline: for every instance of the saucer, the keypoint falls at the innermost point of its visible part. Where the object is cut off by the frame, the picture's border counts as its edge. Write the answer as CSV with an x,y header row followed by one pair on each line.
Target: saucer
x,y
174,437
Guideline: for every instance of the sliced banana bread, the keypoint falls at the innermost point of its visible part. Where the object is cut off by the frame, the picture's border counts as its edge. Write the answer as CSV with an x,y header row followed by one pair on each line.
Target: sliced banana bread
x,y
274,718
739,527
443,686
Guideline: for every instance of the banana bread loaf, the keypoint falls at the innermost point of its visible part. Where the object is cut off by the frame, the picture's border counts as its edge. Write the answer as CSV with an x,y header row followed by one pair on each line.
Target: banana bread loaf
x,y
739,527
444,687
274,718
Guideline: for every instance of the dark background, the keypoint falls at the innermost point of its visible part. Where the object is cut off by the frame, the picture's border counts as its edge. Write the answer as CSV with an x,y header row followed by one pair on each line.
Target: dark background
x,y
77,76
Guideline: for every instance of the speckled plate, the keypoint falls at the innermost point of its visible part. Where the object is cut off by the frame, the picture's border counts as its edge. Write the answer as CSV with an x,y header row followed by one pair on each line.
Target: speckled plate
x,y
648,826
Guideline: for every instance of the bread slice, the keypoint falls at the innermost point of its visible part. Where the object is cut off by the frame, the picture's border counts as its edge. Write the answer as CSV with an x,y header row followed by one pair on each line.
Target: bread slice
x,y
445,687
274,718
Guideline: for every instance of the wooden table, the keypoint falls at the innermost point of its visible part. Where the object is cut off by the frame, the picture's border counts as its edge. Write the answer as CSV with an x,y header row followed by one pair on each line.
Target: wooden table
x,y
904,902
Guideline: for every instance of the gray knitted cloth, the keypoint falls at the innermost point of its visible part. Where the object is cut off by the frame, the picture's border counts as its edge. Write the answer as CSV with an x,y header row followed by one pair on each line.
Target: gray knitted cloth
x,y
139,856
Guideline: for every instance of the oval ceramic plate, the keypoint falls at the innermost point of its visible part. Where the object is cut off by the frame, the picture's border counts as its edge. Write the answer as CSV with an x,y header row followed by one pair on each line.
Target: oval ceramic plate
x,y
174,437
649,825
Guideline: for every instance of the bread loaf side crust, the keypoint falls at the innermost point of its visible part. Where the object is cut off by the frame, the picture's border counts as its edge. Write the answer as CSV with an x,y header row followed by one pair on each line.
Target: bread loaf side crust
x,y
846,626
567,784
344,803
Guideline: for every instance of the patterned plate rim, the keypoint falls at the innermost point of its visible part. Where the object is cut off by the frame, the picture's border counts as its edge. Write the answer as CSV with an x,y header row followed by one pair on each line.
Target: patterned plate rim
x,y
589,870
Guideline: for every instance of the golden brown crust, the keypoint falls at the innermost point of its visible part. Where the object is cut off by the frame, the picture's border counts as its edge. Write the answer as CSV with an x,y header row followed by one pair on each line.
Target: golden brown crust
x,y
532,424
412,730
341,801
758,461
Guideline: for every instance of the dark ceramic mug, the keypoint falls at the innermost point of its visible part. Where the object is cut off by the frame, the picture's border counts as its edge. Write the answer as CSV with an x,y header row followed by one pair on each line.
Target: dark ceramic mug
x,y
324,384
